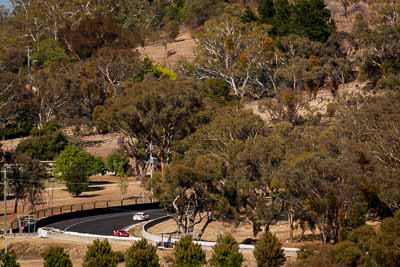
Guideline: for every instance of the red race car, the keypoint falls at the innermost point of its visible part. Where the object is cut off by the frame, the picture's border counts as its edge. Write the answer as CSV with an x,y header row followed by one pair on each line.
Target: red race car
x,y
120,233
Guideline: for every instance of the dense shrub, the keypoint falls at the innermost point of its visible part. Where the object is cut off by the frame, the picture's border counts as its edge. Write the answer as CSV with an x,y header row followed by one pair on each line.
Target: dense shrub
x,y
49,51
364,247
119,256
43,147
347,254
100,254
188,254
313,256
268,251
46,129
226,253
218,87
141,254
20,129
288,18
160,71
9,260
266,10
118,163
74,166
197,12
382,248
57,257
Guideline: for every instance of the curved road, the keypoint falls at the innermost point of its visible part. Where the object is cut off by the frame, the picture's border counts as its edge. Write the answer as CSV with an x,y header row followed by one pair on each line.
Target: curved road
x,y
104,224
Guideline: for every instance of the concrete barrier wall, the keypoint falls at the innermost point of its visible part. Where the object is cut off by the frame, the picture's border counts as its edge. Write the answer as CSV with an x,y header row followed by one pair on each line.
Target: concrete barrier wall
x,y
57,234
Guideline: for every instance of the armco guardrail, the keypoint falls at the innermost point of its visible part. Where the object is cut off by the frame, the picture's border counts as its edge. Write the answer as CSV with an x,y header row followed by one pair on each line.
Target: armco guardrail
x,y
290,252
47,214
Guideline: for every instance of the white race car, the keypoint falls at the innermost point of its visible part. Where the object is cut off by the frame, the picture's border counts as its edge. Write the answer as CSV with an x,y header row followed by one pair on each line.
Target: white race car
x,y
140,216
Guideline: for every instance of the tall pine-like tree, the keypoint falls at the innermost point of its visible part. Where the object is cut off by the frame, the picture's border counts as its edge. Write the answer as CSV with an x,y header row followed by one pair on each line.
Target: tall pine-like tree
x,y
312,19
282,19
266,10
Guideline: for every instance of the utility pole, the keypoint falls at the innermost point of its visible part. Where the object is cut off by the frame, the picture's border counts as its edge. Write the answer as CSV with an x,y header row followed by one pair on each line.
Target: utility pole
x,y
151,167
5,208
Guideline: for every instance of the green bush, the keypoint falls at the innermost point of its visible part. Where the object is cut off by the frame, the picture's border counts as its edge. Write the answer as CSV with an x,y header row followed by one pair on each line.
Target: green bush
x,y
45,147
248,16
57,257
364,247
287,17
16,130
362,236
266,10
118,163
49,51
197,12
382,248
226,253
188,254
306,252
141,254
347,254
120,256
9,260
74,166
268,251
159,71
47,129
100,120
218,87
100,254
315,256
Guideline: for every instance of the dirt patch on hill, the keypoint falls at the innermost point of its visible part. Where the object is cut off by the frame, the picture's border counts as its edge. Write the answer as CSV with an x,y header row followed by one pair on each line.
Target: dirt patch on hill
x,y
345,23
319,104
101,144
182,48
10,145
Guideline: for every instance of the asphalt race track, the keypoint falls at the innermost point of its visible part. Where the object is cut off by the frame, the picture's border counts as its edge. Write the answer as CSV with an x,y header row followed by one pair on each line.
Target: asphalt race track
x,y
103,224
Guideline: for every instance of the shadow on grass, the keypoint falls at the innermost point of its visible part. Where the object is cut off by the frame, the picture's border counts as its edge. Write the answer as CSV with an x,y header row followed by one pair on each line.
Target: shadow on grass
x,y
88,196
95,188
100,182
91,189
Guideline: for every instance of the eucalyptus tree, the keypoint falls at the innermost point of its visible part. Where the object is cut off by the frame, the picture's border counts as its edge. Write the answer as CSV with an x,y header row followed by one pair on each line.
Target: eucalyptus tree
x,y
241,54
201,185
152,115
